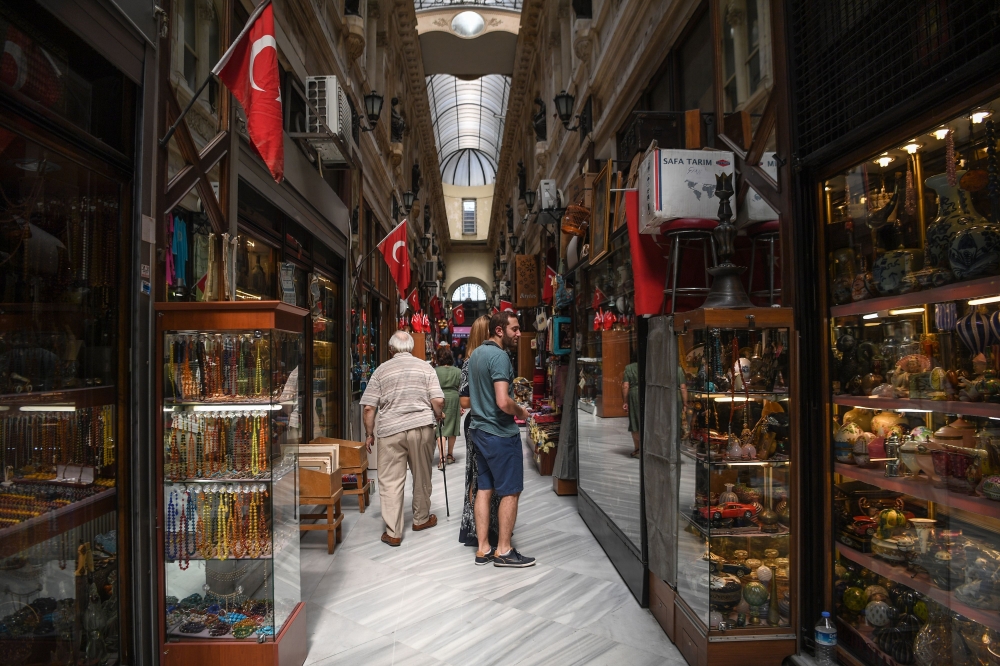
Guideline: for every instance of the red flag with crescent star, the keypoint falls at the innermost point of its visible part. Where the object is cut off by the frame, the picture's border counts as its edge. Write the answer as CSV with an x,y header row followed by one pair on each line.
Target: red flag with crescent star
x,y
396,255
250,70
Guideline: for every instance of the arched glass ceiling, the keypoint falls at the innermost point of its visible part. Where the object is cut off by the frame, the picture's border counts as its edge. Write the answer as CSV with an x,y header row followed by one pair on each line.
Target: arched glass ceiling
x,y
468,167
468,116
437,4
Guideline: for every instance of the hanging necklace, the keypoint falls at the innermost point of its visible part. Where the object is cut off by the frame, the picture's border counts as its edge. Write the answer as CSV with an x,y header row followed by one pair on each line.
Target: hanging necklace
x,y
171,535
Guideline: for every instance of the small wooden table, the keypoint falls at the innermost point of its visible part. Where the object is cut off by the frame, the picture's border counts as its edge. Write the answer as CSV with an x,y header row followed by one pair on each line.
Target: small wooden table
x,y
353,460
320,489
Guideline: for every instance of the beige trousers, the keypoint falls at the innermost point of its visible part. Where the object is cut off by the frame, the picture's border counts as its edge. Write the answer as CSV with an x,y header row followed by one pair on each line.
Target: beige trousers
x,y
416,447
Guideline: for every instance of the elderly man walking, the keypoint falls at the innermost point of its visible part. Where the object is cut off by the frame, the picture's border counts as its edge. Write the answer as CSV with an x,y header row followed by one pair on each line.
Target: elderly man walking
x,y
409,399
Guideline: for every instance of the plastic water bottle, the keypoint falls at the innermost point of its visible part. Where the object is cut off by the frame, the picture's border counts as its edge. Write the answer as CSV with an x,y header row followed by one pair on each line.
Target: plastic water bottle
x,y
826,641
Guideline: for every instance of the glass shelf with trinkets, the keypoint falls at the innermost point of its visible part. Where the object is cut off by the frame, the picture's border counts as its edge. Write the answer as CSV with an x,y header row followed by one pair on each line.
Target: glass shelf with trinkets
x,y
233,399
734,454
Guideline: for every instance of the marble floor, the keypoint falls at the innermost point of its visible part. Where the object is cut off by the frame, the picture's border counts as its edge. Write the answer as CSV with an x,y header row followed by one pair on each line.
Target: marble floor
x,y
426,603
608,473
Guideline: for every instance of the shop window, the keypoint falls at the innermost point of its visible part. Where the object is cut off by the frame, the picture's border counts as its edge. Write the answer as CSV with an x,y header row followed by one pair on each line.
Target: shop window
x,y
469,216
696,67
255,269
747,45
188,271
325,295
61,303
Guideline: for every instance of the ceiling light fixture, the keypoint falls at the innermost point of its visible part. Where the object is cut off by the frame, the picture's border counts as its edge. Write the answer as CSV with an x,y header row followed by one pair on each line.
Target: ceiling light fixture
x,y
980,115
884,160
983,301
912,147
940,133
906,311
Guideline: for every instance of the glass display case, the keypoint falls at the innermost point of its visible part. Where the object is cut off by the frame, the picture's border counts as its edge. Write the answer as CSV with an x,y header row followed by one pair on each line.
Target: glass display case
x,y
233,399
327,401
735,455
912,332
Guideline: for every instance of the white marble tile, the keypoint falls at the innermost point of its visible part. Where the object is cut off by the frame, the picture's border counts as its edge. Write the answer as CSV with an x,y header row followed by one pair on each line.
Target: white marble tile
x,y
381,652
568,598
634,626
593,563
330,633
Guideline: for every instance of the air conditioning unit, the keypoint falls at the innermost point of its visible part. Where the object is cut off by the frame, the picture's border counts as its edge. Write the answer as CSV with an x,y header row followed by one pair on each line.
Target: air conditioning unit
x,y
330,101
548,194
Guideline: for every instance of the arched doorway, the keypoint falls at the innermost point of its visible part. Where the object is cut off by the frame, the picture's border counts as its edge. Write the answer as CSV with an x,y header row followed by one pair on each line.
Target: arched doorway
x,y
472,296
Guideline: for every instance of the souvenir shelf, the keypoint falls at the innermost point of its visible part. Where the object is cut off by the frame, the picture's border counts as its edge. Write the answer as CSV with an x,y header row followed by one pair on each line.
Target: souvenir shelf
x,y
913,258
232,387
734,454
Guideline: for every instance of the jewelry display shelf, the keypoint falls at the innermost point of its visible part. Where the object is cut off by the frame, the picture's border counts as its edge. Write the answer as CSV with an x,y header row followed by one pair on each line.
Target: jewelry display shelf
x,y
751,532
687,453
986,286
922,584
23,535
866,641
922,488
80,398
182,482
987,409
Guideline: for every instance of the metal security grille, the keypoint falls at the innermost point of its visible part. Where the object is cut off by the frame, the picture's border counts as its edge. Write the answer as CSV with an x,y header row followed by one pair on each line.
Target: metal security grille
x,y
854,60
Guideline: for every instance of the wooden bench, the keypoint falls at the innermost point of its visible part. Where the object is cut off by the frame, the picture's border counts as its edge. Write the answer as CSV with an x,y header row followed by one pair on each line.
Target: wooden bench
x,y
353,460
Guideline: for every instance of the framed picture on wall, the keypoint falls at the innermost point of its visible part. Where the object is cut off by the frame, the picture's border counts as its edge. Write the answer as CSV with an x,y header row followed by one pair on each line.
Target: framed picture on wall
x,y
600,213
562,335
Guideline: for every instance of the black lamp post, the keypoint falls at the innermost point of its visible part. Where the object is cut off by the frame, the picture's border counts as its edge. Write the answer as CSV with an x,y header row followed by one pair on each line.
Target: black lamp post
x,y
424,242
512,239
564,109
373,110
529,199
503,268
408,198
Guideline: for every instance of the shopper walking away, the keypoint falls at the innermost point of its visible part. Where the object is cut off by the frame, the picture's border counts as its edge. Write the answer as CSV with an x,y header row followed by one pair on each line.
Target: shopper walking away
x,y
479,331
407,395
450,379
497,438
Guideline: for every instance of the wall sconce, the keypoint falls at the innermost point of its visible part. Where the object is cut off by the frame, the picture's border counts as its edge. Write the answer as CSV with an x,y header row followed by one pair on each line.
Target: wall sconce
x,y
503,268
425,241
373,110
512,239
564,108
408,198
529,199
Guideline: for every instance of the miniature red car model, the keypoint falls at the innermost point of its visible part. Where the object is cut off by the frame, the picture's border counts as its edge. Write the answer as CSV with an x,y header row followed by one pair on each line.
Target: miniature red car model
x,y
729,510
863,526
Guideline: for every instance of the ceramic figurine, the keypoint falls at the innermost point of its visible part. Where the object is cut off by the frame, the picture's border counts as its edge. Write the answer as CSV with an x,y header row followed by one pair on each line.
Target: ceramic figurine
x,y
968,391
883,422
860,416
864,286
892,267
955,212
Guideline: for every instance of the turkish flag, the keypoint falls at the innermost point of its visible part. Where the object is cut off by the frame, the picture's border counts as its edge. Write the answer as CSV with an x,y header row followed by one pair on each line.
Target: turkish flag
x,y
414,300
548,286
506,306
250,70
426,323
399,262
649,265
458,314
599,298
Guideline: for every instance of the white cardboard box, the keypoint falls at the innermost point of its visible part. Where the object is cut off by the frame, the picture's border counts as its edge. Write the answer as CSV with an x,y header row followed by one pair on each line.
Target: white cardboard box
x,y
680,183
758,210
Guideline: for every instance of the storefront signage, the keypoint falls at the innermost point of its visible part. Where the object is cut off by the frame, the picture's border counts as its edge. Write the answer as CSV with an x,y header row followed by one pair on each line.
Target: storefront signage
x,y
526,280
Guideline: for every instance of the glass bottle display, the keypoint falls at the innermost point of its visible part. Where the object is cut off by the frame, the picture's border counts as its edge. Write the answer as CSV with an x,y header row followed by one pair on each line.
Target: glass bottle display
x,y
915,507
735,454
232,420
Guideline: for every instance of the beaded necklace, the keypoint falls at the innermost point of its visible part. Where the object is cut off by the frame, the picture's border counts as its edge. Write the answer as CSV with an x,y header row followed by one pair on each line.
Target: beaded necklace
x,y
191,456
182,561
190,533
254,544
171,535
254,451
221,535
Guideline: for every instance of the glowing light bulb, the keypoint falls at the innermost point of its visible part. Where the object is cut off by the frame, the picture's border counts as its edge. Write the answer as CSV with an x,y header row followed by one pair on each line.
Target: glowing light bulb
x,y
884,160
980,115
941,133
912,147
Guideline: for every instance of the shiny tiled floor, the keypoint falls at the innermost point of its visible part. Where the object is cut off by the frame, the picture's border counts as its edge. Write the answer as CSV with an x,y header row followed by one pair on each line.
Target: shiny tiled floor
x,y
427,603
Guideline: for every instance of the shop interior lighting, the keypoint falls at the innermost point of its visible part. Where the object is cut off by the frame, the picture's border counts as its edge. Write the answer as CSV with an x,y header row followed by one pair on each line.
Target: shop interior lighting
x,y
246,296
980,115
983,301
873,315
941,133
47,408
884,160
731,398
238,408
906,311
912,147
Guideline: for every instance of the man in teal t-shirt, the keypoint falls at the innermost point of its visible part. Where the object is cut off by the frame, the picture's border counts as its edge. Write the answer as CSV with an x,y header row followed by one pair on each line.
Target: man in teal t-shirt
x,y
497,439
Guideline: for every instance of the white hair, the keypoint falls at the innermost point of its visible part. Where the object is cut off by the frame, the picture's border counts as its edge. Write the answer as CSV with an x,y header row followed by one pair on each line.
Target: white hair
x,y
401,341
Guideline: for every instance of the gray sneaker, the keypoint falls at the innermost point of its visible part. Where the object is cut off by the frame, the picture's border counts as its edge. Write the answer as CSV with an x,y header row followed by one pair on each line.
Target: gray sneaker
x,y
513,559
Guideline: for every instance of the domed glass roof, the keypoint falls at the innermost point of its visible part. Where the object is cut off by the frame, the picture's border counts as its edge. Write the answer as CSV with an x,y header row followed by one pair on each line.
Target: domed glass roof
x,y
499,4
468,125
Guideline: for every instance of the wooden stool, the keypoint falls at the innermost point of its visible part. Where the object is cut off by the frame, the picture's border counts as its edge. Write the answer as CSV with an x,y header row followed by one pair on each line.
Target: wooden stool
x,y
353,460
322,489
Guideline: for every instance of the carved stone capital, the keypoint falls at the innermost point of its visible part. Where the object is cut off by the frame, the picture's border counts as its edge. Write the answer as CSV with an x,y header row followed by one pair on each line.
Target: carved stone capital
x,y
374,9
355,39
205,10
583,39
735,16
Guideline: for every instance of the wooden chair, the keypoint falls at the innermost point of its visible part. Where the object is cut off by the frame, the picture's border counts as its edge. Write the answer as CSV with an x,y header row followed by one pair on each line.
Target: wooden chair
x,y
322,488
353,460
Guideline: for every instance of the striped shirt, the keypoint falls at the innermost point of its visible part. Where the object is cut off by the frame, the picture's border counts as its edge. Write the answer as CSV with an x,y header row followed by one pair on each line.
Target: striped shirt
x,y
402,389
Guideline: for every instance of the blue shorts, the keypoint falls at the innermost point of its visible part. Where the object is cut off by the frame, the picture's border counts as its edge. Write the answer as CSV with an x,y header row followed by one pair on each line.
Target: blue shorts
x,y
499,463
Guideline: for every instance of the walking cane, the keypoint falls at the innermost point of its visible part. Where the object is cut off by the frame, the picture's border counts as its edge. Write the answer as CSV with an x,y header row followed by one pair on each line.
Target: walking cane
x,y
444,466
